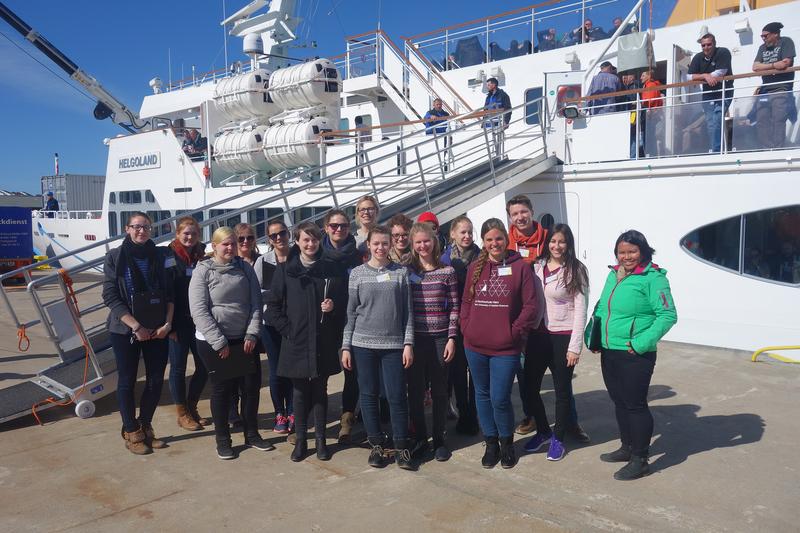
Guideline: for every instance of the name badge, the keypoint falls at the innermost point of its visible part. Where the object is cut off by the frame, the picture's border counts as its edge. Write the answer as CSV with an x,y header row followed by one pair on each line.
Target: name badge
x,y
189,271
414,278
550,279
524,252
382,277
169,262
504,271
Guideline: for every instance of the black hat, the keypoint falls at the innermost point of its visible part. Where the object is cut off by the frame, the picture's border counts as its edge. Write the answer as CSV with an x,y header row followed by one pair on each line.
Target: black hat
x,y
773,27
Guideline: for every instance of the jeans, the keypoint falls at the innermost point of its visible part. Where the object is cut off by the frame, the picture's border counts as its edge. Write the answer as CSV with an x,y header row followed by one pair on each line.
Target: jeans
x,y
222,395
545,351
154,353
463,387
311,395
627,378
280,388
713,112
494,376
178,354
371,365
428,365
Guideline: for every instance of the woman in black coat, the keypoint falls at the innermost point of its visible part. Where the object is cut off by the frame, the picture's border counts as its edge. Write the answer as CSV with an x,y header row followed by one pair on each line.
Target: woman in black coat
x,y
307,305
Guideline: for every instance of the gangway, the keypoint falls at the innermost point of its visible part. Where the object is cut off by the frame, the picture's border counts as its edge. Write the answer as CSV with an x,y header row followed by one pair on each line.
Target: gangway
x,y
411,172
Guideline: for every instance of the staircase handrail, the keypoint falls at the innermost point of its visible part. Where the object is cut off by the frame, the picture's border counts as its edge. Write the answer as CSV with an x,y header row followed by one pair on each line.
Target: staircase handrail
x,y
414,50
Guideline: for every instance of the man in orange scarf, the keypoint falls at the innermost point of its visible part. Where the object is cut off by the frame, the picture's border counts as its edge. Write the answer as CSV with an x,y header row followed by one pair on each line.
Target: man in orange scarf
x,y
526,236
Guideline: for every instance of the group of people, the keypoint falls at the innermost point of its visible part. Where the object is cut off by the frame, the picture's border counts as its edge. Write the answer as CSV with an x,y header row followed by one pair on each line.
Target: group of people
x,y
403,311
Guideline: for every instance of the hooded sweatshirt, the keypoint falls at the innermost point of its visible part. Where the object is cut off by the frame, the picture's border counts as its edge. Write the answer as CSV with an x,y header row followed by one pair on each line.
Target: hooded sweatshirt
x,y
505,307
528,247
225,301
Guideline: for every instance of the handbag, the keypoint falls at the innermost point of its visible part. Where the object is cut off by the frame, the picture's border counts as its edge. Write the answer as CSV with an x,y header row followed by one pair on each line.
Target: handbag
x,y
149,309
595,343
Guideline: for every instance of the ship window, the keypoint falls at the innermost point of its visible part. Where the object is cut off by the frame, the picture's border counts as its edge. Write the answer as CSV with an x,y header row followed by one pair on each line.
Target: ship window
x,y
547,221
344,124
364,121
717,243
258,78
112,198
160,229
112,223
148,196
230,221
532,105
130,197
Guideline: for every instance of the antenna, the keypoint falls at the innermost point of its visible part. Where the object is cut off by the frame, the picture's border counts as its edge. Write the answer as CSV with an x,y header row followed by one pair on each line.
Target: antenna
x,y
379,14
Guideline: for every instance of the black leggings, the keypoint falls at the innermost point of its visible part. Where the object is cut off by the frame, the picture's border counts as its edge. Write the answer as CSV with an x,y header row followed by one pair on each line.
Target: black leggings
x,y
428,365
350,391
627,378
460,383
310,394
545,351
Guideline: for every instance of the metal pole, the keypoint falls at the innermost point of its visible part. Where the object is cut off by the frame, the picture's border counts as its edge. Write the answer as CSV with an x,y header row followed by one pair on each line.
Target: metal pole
x,y
722,147
323,171
488,55
489,153
422,175
533,32
446,50
638,124
371,176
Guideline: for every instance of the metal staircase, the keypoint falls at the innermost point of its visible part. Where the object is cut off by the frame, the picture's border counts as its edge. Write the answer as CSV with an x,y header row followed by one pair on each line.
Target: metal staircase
x,y
410,173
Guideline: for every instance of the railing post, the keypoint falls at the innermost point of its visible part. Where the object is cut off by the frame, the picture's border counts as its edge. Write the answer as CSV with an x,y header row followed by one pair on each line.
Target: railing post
x,y
422,175
638,125
446,50
377,55
347,62
323,171
542,128
365,156
722,148
488,54
533,32
489,150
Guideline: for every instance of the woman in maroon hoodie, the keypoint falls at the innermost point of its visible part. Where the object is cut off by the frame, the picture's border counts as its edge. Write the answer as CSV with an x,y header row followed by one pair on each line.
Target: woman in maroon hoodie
x,y
498,309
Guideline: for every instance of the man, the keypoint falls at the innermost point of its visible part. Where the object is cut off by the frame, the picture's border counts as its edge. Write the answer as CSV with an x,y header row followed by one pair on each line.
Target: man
x,y
628,102
497,99
194,145
777,53
604,82
51,204
434,119
708,66
547,40
587,33
629,27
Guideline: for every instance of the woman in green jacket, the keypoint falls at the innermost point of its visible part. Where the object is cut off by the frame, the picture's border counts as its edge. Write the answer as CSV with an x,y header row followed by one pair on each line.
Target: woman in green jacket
x,y
634,311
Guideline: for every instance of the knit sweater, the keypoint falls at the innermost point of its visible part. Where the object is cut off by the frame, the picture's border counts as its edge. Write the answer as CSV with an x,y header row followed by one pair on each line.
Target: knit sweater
x,y
436,301
379,313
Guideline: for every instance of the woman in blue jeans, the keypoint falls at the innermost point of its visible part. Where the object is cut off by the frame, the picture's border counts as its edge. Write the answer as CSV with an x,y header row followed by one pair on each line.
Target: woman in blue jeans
x,y
499,307
377,341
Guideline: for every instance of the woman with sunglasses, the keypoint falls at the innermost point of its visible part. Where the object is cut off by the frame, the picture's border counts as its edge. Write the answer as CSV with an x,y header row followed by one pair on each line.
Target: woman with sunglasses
x,y
339,246
280,388
400,226
246,240
367,211
135,269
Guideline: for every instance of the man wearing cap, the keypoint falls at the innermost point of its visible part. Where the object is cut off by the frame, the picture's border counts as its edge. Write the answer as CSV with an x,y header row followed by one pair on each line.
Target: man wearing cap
x,y
431,219
772,108
51,204
604,82
708,66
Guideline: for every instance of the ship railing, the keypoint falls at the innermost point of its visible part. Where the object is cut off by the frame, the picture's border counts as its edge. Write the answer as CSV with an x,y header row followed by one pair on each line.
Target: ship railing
x,y
69,215
684,124
338,183
535,28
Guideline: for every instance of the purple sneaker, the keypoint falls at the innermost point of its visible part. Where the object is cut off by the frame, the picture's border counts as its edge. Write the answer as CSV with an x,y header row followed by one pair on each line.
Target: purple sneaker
x,y
538,441
556,451
281,424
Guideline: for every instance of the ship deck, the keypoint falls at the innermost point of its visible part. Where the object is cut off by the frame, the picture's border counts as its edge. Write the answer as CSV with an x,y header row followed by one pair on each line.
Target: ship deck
x,y
722,460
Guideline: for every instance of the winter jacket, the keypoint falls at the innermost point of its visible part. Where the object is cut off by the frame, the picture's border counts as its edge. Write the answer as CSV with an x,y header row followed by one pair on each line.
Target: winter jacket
x,y
115,290
652,98
347,254
563,311
530,248
311,339
180,274
638,309
497,320
458,263
225,302
496,101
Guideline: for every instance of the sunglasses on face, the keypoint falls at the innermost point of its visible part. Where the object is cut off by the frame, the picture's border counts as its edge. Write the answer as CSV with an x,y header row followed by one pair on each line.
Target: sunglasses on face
x,y
281,234
338,227
246,238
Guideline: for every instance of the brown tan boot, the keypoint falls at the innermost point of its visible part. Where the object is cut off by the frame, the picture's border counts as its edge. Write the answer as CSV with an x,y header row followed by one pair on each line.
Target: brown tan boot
x,y
185,419
202,420
135,442
150,437
346,423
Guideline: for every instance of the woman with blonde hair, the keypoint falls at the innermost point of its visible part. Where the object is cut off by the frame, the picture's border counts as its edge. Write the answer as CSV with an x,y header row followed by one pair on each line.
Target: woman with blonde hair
x,y
367,211
225,302
246,242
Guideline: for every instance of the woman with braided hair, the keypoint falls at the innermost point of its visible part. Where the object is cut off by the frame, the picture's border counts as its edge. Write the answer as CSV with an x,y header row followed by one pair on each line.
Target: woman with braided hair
x,y
499,307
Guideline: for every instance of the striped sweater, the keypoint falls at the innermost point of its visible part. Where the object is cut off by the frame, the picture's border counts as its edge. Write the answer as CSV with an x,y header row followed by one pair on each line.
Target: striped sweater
x,y
436,301
379,314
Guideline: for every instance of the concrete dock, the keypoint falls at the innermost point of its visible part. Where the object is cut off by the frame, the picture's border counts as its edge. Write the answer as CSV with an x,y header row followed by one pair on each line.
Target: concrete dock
x,y
722,460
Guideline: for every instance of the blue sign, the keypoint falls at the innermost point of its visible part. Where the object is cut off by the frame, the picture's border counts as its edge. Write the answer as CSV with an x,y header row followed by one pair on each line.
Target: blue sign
x,y
16,238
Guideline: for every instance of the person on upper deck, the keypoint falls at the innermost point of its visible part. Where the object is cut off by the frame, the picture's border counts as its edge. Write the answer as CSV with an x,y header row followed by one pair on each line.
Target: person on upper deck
x,y
547,40
630,27
497,99
51,204
777,53
194,145
434,120
604,82
710,65
587,32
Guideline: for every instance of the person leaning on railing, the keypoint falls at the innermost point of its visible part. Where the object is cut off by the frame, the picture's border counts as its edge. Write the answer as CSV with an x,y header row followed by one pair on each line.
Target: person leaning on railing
x,y
773,107
712,63
139,296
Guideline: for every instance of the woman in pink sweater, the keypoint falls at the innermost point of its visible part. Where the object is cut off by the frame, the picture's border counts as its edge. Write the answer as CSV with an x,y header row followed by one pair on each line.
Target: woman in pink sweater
x,y
557,343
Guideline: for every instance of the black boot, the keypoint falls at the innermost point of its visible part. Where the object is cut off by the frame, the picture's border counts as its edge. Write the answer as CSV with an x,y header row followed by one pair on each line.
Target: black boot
x,y
491,455
377,459
440,450
508,456
637,467
402,456
300,448
323,454
622,455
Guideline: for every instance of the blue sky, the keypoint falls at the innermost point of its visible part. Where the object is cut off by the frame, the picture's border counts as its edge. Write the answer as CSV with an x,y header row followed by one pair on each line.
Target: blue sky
x,y
125,44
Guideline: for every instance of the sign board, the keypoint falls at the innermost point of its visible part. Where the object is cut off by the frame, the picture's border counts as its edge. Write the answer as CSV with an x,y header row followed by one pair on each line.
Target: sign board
x,y
147,161
16,238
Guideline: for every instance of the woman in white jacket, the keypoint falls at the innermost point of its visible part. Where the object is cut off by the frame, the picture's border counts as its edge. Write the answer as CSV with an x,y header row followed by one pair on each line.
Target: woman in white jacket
x,y
557,343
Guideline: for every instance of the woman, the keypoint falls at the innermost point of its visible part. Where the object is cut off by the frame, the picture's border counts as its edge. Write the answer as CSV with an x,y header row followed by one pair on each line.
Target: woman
x,y
280,388
635,311
378,338
307,306
651,102
340,247
435,301
186,250
225,302
246,239
461,251
498,309
139,296
400,226
367,211
557,343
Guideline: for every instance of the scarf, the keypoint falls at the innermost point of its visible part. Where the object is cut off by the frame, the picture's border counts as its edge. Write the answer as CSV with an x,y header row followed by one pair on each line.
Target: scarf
x,y
466,256
535,243
133,251
191,256
403,258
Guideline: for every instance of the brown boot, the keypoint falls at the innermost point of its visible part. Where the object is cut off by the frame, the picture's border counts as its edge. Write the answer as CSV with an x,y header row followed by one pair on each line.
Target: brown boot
x,y
135,442
346,423
185,420
150,437
202,420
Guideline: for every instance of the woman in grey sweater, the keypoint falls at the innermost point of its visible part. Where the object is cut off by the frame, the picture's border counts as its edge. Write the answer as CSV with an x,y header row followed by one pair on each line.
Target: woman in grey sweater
x,y
225,302
378,340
